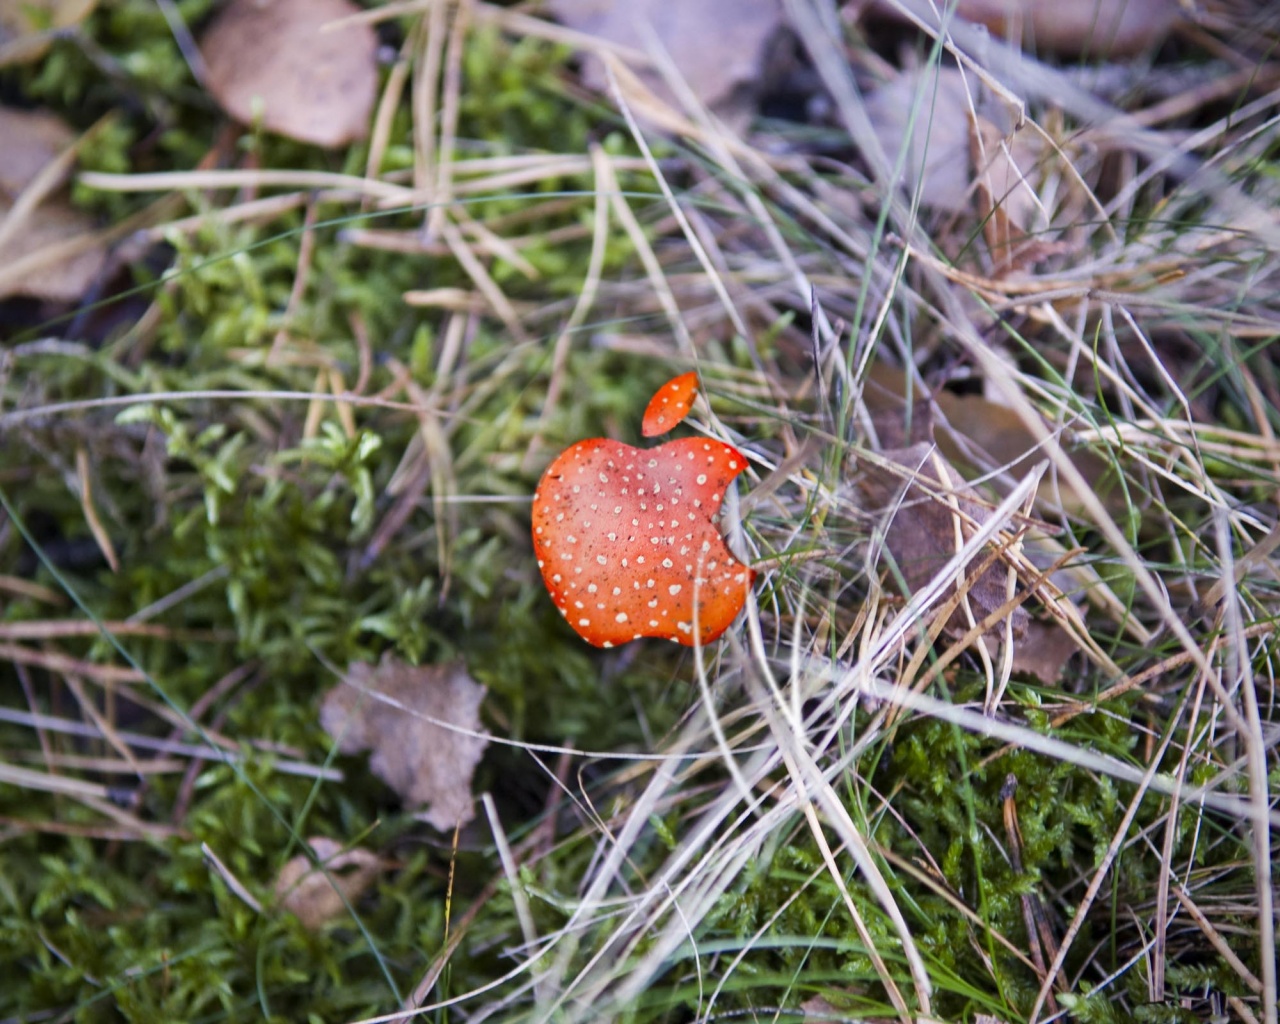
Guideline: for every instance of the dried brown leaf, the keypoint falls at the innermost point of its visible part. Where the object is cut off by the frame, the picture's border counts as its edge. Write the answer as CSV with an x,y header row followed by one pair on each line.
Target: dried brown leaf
x,y
937,159
276,60
1044,651
963,157
820,1010
974,431
48,249
422,724
316,895
55,228
32,139
1096,28
997,432
717,46
897,423
921,532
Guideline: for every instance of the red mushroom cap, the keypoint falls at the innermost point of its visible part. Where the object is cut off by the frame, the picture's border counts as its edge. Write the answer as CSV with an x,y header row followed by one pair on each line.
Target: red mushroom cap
x,y
626,542
669,405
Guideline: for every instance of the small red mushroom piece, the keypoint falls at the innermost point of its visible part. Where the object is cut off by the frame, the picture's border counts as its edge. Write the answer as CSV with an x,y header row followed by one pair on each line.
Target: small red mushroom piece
x,y
669,405
627,545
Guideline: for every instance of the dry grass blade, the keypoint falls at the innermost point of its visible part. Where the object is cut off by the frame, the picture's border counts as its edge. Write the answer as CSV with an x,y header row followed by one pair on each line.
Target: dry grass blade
x,y
70,727
94,796
1239,669
247,179
806,778
56,662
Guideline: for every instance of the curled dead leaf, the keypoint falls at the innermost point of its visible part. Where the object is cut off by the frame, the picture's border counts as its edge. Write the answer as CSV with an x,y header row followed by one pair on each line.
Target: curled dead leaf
x,y
1044,652
33,139
66,237
718,47
821,1010
283,62
318,894
1097,29
973,431
927,111
422,724
48,249
923,530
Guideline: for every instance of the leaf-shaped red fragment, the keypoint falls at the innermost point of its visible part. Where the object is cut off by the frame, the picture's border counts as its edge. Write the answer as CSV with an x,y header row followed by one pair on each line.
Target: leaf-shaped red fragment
x,y
626,542
669,405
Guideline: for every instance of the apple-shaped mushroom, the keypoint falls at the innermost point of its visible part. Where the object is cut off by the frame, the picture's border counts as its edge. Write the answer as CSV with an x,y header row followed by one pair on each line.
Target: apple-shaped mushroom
x,y
626,539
